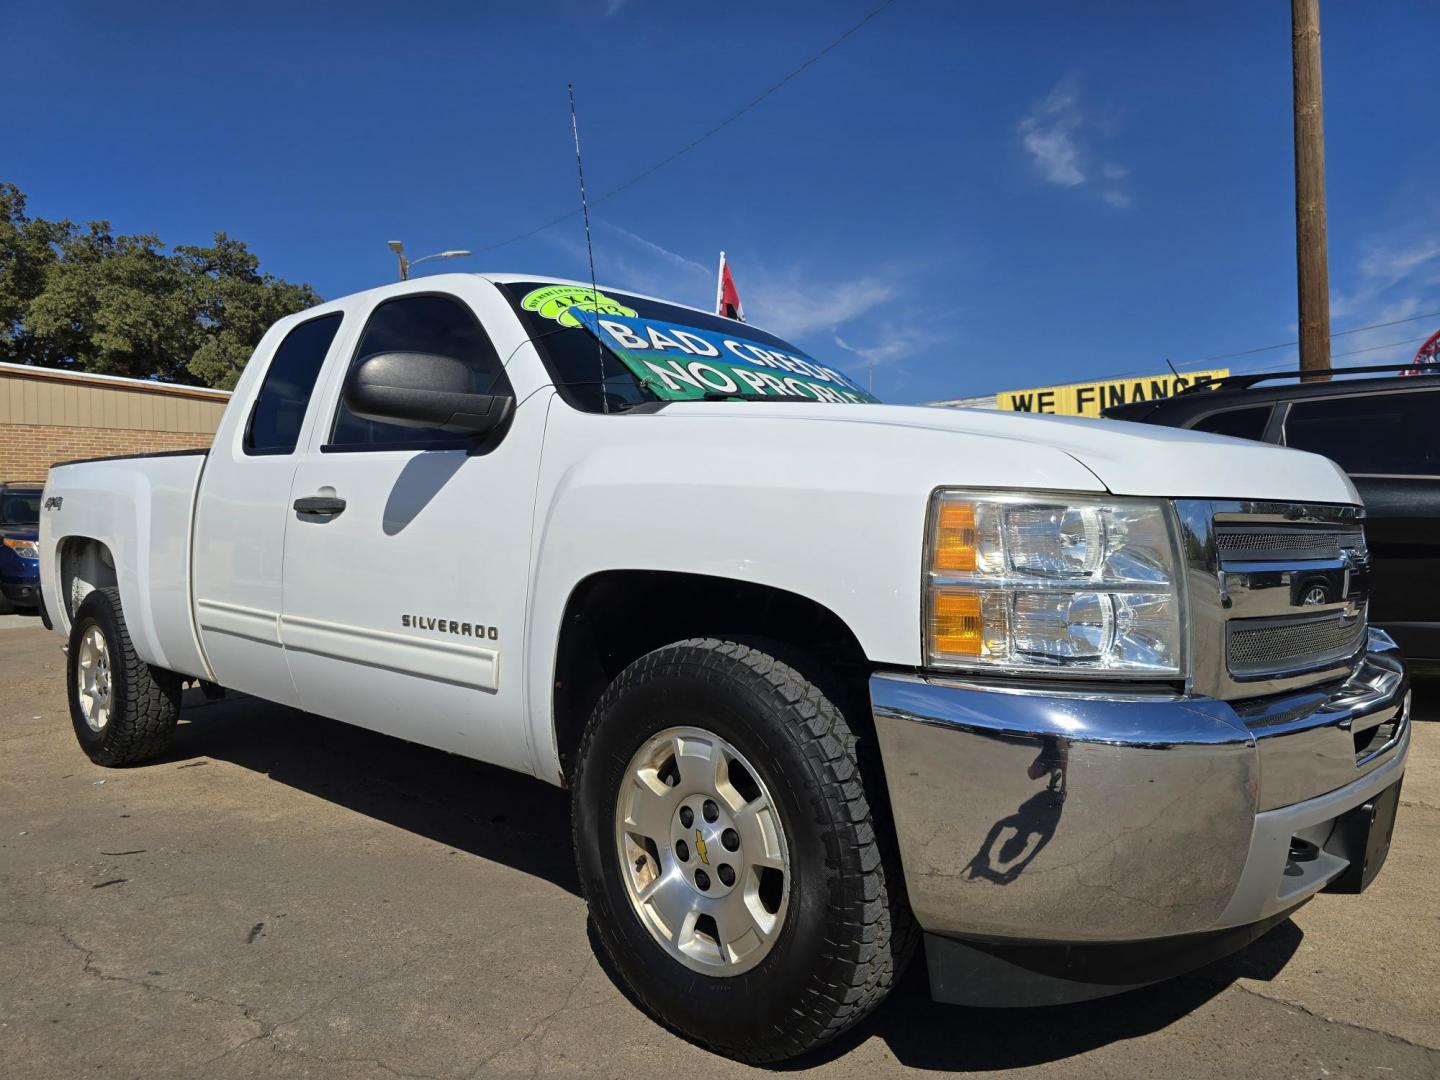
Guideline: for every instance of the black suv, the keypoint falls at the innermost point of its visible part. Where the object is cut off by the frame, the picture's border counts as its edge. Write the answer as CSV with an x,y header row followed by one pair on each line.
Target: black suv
x,y
1384,432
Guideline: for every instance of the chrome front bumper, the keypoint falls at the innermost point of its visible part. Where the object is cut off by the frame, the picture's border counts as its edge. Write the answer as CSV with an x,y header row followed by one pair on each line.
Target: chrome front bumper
x,y
1068,816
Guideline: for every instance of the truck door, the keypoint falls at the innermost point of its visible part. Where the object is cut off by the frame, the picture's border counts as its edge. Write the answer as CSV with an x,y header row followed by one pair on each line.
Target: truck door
x,y
405,583
1386,442
244,507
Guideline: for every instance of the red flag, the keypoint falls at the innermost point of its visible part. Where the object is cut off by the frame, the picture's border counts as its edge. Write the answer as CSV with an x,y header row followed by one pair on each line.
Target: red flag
x,y
727,297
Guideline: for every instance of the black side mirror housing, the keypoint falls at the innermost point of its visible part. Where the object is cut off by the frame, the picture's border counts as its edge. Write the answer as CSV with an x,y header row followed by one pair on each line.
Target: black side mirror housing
x,y
420,390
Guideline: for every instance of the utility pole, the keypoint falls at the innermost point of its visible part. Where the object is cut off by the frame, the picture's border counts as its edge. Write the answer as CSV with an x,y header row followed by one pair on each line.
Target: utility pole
x,y
1312,261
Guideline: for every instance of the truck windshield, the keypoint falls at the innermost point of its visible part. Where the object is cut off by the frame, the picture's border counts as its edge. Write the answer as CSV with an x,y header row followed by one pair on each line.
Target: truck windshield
x,y
20,507
649,350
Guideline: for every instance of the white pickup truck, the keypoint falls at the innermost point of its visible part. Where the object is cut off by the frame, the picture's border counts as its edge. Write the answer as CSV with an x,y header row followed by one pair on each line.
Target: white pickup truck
x,y
1082,704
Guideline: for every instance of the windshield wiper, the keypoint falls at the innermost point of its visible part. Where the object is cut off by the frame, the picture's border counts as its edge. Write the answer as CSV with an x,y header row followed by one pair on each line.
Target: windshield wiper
x,y
735,395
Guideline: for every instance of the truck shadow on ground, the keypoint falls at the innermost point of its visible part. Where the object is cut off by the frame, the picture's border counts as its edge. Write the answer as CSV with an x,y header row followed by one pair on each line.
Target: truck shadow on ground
x,y
466,805
524,823
924,1034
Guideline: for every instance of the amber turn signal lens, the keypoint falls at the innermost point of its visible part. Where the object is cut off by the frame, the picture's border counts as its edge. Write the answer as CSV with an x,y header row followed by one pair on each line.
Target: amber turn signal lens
x,y
955,538
956,628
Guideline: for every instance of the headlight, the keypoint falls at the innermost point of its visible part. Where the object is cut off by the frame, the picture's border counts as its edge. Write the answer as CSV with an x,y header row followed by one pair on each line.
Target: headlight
x,y
1052,583
26,549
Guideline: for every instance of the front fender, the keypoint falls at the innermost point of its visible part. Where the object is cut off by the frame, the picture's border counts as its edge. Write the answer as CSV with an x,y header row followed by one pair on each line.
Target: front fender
x,y
830,510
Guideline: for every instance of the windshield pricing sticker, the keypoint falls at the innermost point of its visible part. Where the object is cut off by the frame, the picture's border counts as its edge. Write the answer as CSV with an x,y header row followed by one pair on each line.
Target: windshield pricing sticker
x,y
685,363
557,301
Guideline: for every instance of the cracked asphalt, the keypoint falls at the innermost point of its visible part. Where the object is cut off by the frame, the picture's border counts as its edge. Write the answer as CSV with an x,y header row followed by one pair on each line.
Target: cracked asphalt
x,y
284,896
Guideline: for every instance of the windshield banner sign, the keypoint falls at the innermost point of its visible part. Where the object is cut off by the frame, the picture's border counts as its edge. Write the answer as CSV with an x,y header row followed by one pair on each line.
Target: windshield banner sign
x,y
681,363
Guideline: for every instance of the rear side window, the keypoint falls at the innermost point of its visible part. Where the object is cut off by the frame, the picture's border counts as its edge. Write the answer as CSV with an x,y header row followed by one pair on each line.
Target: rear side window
x,y
20,507
1246,423
280,406
1379,433
439,325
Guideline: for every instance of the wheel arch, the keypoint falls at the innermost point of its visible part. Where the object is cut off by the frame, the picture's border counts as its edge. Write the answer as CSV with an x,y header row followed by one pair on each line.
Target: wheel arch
x,y
86,563
614,617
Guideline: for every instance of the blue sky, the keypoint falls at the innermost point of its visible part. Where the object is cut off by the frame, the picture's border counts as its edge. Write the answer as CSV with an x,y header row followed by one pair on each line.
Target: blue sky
x,y
969,197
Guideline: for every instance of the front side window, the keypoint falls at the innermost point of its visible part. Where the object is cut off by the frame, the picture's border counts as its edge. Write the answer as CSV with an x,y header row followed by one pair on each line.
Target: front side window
x,y
432,324
280,406
1390,434
1248,423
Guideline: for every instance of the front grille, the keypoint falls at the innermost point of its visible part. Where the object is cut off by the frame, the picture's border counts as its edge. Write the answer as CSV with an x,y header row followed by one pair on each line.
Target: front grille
x,y
1272,543
1258,647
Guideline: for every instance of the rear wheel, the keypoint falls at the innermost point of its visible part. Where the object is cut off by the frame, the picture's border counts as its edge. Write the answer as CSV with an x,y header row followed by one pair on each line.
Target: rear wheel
x,y
123,709
729,855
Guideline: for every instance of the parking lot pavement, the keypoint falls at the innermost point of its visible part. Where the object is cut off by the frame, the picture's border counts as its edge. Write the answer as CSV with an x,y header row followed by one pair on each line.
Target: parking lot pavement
x,y
11,619
286,896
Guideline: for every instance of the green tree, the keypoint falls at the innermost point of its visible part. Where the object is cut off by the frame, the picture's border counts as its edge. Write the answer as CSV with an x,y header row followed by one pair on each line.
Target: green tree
x,y
234,304
26,253
88,300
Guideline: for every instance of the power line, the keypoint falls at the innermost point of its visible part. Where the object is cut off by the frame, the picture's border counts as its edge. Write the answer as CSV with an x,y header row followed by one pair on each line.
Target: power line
x,y
693,143
1191,364
1290,344
1377,348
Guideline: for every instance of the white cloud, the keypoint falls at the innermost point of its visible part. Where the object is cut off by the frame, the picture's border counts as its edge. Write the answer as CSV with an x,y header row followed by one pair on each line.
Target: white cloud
x,y
803,303
1048,132
790,302
672,258
613,6
1384,343
1410,265
1054,133
627,260
891,342
1394,264
1395,279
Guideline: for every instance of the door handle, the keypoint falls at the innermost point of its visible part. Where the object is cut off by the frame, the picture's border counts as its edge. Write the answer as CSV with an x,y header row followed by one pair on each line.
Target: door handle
x,y
326,506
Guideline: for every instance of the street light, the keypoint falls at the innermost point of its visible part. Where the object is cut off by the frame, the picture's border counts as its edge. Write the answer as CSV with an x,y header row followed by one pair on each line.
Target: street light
x,y
405,264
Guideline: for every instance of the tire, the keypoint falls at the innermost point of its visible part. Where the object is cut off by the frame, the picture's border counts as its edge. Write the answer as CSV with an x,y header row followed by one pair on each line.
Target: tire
x,y
845,933
143,701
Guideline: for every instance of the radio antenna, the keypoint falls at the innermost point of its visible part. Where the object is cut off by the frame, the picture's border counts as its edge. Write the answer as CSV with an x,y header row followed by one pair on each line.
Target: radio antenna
x,y
589,248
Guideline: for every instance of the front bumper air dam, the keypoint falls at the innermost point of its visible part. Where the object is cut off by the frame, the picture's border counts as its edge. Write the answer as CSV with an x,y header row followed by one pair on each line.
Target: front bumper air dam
x,y
21,594
1061,845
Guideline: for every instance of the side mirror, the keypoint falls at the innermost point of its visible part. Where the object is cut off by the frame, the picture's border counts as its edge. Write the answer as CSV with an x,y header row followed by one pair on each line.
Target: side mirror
x,y
421,390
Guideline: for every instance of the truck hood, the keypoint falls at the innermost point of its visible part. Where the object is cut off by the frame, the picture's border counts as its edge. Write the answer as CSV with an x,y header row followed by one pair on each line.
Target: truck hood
x,y
1128,459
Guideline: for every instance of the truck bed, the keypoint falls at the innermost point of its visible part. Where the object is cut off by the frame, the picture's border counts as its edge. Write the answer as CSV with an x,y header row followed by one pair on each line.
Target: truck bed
x,y
141,508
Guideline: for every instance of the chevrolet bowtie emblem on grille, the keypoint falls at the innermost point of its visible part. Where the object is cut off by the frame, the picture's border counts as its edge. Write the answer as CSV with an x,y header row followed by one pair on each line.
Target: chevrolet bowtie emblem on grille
x,y
1314,596
700,848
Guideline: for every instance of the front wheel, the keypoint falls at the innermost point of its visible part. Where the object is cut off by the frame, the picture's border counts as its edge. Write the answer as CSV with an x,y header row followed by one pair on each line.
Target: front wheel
x,y
728,852
123,709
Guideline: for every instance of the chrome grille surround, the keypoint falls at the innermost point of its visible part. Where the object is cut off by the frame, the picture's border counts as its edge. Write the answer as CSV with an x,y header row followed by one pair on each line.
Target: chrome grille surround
x,y
1276,594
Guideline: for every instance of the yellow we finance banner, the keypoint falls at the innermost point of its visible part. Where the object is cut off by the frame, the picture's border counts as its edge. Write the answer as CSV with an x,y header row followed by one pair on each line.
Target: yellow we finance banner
x,y
1088,398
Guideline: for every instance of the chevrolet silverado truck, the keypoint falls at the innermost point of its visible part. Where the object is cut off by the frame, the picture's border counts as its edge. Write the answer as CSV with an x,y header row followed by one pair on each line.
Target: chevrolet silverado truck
x,y
1079,704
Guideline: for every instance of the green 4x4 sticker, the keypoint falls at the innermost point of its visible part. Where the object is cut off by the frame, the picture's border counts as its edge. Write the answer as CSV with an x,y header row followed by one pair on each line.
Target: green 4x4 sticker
x,y
555,302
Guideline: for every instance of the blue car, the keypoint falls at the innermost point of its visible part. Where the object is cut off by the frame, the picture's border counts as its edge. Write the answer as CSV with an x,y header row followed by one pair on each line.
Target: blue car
x,y
19,544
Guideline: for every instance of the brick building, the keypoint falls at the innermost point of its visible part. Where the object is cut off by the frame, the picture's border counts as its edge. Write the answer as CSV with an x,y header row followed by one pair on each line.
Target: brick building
x,y
48,416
